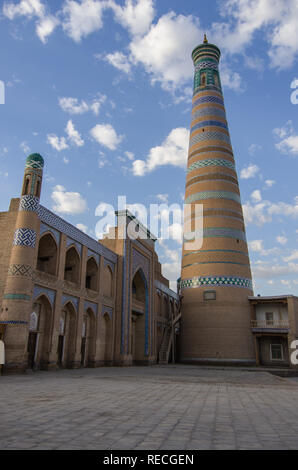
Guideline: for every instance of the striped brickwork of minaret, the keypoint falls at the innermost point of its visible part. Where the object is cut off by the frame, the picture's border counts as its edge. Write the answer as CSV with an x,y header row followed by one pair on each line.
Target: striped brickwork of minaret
x,y
216,278
17,297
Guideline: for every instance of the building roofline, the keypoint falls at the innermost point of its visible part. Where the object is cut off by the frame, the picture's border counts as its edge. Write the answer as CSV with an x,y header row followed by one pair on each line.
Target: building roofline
x,y
271,297
142,226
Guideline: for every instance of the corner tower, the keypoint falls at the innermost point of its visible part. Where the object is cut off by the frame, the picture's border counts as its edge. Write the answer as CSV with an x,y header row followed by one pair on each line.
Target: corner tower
x,y
215,279
17,297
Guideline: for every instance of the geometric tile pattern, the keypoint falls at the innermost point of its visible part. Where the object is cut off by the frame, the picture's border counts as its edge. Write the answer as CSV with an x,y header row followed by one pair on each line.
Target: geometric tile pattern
x,y
16,297
140,261
61,225
219,233
108,263
209,111
92,306
213,195
108,310
20,270
209,136
74,300
208,99
24,237
29,203
218,281
95,256
204,65
45,228
50,294
211,162
207,124
69,242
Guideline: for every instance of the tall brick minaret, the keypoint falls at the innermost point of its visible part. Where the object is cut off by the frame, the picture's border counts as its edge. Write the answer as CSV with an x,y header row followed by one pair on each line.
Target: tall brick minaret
x,y
216,278
17,298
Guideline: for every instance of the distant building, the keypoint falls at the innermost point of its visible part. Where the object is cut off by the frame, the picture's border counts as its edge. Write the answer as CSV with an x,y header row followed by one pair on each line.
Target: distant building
x,y
70,301
274,325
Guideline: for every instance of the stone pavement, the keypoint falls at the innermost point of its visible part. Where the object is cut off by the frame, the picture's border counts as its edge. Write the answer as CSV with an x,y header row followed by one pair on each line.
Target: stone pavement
x,y
173,407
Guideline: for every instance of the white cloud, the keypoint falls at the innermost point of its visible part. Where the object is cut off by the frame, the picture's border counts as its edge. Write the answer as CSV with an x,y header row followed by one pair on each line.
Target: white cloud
x,y
256,246
163,197
135,15
262,212
82,19
173,151
82,227
165,50
45,23
249,172
256,195
289,142
73,135
281,239
292,257
269,183
73,106
58,143
119,61
129,155
106,135
25,147
68,202
45,27
253,148
263,270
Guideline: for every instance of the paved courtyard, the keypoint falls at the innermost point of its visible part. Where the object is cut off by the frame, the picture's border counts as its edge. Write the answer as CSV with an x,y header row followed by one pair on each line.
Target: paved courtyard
x,y
173,407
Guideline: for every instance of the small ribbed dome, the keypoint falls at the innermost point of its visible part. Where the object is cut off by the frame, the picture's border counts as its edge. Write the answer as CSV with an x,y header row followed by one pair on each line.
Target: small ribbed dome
x,y
35,160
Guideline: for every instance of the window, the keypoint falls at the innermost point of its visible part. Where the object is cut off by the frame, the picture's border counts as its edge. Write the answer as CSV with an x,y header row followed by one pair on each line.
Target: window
x,y
203,79
269,318
209,295
276,352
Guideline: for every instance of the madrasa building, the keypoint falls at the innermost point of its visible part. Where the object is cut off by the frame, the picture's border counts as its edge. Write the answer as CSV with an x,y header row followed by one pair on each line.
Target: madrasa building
x,y
69,301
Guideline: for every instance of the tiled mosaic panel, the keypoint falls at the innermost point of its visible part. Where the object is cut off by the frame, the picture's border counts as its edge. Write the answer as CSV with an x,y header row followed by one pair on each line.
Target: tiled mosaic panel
x,y
92,306
209,136
211,162
39,290
20,270
208,99
34,165
220,233
95,256
212,195
70,242
74,300
209,123
204,65
45,228
217,281
29,203
108,263
140,261
209,111
58,223
107,310
16,297
24,237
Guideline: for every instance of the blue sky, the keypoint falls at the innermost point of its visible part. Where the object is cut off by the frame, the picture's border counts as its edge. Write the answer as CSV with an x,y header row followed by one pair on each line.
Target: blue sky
x,y
102,89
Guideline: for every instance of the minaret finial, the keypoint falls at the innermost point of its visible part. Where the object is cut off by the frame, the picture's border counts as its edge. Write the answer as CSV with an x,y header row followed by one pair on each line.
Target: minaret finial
x,y
205,39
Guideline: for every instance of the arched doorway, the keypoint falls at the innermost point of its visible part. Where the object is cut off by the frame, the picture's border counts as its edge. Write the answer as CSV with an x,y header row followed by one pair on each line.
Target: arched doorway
x,y
72,266
106,340
88,339
91,274
67,336
139,318
47,254
39,338
107,281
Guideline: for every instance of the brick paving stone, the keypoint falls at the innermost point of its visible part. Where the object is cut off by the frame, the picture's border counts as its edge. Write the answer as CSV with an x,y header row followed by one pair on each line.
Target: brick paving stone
x,y
173,407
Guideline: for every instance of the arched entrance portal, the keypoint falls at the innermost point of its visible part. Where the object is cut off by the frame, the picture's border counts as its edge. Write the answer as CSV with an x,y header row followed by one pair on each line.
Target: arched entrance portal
x,y
88,339
67,336
39,334
139,318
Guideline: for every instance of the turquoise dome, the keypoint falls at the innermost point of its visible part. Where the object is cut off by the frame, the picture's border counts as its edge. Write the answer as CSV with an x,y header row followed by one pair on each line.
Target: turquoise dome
x,y
35,161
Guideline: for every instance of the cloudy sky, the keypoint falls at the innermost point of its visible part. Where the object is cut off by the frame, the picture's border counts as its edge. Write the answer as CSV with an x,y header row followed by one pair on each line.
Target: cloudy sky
x,y
102,89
